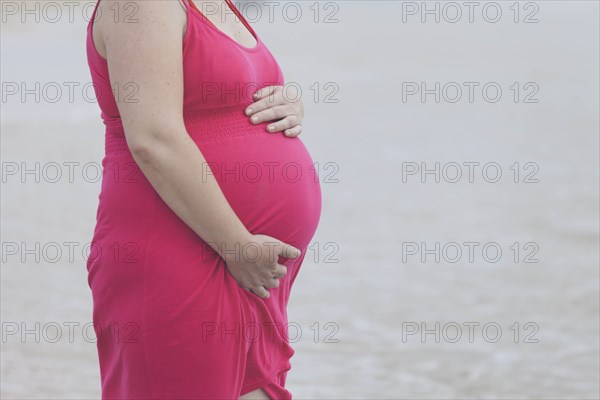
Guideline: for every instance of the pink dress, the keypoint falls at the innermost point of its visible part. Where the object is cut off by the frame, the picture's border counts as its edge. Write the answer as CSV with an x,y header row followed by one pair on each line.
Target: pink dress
x,y
170,319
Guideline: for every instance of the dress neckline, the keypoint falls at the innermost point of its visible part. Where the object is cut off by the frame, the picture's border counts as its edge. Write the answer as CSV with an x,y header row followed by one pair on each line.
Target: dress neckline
x,y
235,10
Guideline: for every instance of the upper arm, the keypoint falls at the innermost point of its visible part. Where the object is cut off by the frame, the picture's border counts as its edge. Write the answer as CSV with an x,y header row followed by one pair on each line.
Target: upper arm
x,y
146,53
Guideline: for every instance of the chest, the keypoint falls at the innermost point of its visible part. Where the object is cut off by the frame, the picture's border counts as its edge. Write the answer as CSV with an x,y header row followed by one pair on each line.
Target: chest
x,y
219,72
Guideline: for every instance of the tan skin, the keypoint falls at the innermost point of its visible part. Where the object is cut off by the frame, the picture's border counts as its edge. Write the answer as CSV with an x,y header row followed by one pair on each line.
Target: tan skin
x,y
159,142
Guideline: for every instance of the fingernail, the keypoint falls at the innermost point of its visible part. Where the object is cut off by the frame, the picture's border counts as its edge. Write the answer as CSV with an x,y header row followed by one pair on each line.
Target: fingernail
x,y
255,119
270,128
249,111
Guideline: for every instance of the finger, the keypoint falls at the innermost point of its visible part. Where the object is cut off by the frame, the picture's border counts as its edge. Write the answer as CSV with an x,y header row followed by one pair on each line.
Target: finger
x,y
260,291
286,123
272,113
294,131
264,92
275,98
290,251
272,283
280,271
268,100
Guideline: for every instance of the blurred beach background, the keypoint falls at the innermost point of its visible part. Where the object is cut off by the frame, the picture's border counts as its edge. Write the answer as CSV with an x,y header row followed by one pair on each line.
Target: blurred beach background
x,y
389,303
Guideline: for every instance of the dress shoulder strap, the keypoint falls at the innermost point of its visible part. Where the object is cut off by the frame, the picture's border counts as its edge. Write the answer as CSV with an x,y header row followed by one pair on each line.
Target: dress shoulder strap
x,y
239,14
185,3
93,17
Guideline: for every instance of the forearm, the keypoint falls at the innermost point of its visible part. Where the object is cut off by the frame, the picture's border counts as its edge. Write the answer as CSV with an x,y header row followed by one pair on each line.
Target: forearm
x,y
178,171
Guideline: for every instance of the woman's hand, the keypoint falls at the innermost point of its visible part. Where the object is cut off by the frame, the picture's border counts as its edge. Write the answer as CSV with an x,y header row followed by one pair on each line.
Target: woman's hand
x,y
271,104
254,264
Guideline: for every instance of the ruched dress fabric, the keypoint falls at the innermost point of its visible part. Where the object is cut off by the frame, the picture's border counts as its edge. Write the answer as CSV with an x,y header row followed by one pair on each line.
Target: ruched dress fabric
x,y
171,322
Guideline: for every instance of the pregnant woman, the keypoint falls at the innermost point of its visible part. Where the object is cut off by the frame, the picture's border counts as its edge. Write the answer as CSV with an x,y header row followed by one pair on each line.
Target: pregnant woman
x,y
205,212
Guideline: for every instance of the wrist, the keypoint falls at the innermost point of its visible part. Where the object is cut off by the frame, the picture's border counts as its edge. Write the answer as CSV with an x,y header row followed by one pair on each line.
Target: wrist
x,y
231,246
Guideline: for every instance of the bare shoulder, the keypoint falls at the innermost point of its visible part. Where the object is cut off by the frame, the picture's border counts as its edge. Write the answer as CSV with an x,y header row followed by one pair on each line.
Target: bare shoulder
x,y
125,19
143,42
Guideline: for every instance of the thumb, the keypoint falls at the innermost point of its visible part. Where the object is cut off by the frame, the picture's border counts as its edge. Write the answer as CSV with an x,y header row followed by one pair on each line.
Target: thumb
x,y
290,251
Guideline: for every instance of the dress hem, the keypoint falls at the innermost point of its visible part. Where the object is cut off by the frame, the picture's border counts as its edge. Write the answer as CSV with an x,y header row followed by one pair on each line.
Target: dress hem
x,y
262,382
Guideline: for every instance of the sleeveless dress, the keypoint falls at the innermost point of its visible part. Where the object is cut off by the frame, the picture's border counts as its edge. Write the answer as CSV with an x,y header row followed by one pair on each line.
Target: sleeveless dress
x,y
170,320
